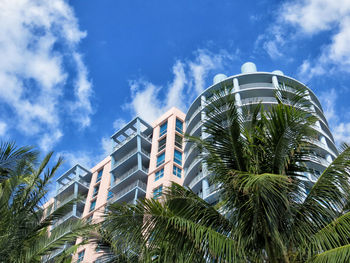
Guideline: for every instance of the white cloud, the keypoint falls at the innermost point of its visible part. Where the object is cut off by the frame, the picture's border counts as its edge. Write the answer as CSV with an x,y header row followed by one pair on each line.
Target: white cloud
x,y
305,18
107,146
340,128
48,140
119,123
86,159
341,132
150,101
37,39
3,128
313,16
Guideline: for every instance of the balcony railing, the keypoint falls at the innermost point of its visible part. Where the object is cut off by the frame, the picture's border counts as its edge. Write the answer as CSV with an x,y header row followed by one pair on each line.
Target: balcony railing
x,y
54,253
127,156
147,137
145,152
258,100
196,179
128,173
195,128
189,152
318,159
73,180
132,135
194,163
194,115
65,201
67,216
138,183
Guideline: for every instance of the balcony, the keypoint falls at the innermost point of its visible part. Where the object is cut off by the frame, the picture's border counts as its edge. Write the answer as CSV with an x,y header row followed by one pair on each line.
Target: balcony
x,y
131,175
131,136
189,124
147,137
77,174
319,160
66,200
193,131
197,179
124,195
71,214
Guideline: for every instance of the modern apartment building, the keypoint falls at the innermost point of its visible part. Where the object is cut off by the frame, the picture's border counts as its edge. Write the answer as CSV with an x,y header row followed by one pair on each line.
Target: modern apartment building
x,y
251,87
146,158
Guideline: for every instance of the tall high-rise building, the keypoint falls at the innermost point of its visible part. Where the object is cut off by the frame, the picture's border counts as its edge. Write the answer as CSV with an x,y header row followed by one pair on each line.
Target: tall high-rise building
x,y
146,158
251,87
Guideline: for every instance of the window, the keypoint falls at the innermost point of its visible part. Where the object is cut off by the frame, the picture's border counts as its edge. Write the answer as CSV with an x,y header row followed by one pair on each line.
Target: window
x,y
157,192
178,157
178,141
159,174
179,126
99,175
110,195
161,144
160,159
96,188
163,129
92,205
81,256
177,171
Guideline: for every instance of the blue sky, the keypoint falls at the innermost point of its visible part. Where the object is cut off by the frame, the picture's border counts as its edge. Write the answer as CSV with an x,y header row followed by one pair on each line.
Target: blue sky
x,y
72,72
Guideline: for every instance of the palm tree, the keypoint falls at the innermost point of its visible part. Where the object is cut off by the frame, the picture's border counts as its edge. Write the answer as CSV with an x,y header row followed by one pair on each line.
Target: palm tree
x,y
268,211
24,228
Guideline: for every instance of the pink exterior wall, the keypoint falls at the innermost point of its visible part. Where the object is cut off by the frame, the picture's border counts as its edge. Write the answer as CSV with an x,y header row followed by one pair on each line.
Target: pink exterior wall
x,y
168,177
101,201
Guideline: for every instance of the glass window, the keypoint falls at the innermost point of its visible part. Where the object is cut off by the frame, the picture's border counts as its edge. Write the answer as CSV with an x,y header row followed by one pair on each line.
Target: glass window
x,y
159,174
96,188
92,205
81,256
177,171
178,141
163,129
110,195
178,157
160,159
161,144
179,126
157,192
99,175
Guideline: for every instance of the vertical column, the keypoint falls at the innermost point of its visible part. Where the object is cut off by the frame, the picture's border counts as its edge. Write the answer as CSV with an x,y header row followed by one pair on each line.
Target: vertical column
x,y
205,187
275,82
323,140
139,148
203,136
237,95
136,196
75,196
329,158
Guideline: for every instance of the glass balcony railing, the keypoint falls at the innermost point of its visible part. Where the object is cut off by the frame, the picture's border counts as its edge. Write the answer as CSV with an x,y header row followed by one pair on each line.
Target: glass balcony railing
x,y
128,189
196,179
73,180
67,216
127,156
128,173
132,135
193,115
147,137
